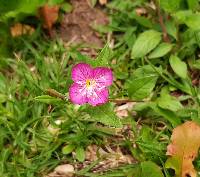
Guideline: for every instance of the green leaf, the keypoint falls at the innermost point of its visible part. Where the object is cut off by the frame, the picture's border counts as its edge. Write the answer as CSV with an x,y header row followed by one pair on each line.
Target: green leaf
x,y
196,64
192,21
173,163
146,42
15,8
80,154
141,20
104,56
129,36
54,2
166,101
68,149
104,114
170,5
142,82
178,66
167,114
193,4
3,98
47,99
161,50
171,28
189,18
101,60
66,7
150,169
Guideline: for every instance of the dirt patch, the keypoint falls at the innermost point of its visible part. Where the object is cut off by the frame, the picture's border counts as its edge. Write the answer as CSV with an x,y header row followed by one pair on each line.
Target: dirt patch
x,y
77,25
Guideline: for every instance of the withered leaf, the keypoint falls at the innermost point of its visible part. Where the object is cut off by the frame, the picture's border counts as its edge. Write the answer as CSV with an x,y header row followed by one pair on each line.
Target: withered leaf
x,y
103,2
49,14
21,29
185,142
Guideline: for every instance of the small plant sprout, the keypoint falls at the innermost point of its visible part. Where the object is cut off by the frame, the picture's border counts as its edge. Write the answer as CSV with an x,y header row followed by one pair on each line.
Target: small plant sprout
x,y
90,84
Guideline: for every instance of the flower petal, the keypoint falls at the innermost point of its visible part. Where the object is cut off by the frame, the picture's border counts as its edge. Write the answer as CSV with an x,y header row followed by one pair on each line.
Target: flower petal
x,y
98,97
77,94
81,72
103,76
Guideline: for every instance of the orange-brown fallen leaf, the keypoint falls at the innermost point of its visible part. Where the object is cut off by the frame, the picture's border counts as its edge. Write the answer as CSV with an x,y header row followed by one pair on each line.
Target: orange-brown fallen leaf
x,y
49,15
184,149
103,2
21,29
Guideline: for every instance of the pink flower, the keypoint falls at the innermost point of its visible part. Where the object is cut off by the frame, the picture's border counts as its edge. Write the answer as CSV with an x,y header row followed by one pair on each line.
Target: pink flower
x,y
90,84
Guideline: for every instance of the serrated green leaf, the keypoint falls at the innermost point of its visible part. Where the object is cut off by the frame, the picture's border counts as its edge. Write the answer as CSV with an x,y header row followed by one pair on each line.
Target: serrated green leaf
x,y
101,60
146,42
103,57
142,82
104,114
161,50
178,66
80,154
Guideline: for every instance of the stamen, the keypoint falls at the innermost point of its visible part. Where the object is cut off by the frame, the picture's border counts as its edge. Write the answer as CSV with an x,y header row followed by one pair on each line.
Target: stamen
x,y
90,83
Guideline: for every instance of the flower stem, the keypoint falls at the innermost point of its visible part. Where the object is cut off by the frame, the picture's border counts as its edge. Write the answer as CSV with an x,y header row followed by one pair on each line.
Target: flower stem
x,y
161,21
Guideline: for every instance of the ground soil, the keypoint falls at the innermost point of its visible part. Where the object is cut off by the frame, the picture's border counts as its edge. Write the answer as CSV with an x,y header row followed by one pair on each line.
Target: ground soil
x,y
77,26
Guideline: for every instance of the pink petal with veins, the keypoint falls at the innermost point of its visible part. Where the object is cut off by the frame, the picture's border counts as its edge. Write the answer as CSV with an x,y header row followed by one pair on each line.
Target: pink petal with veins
x,y
77,94
98,97
103,76
81,72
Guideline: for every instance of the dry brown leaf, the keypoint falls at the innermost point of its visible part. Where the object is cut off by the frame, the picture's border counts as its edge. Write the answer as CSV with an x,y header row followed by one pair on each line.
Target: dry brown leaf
x,y
184,149
49,14
122,110
21,29
65,170
140,11
111,157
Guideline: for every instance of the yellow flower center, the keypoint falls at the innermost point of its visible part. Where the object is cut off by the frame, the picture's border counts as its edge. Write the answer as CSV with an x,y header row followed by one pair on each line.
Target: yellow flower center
x,y
90,83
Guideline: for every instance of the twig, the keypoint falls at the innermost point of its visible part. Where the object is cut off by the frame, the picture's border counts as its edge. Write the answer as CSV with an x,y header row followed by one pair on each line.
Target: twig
x,y
160,17
56,94
121,101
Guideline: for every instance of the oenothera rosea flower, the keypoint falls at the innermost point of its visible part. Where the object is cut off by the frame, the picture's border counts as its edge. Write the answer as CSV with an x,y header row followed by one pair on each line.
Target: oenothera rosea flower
x,y
90,84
